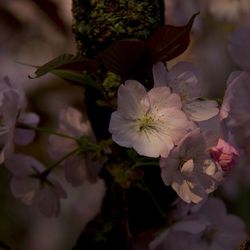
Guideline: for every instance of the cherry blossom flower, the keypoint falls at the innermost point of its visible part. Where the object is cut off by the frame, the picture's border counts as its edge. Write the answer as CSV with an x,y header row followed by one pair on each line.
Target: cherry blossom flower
x,y
189,170
78,166
185,80
224,154
211,228
32,186
236,114
12,105
150,122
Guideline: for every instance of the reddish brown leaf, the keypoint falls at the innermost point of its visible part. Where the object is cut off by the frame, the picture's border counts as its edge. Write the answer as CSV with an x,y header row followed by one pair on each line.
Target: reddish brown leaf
x,y
122,57
132,58
170,41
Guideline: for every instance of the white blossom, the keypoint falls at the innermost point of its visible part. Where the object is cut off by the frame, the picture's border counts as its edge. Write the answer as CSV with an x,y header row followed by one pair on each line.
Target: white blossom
x,y
77,167
211,228
12,105
185,80
189,169
33,188
150,122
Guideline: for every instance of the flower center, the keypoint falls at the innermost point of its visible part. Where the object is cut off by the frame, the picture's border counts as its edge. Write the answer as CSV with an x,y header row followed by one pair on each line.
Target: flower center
x,y
146,122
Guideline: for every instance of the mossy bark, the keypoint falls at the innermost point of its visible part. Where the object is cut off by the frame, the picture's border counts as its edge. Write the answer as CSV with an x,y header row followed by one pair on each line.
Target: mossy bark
x,y
99,23
96,25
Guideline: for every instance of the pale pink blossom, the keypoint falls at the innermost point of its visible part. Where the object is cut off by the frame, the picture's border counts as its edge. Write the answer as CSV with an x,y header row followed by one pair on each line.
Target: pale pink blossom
x,y
150,122
189,170
186,81
78,166
30,184
12,105
225,154
211,228
225,107
236,115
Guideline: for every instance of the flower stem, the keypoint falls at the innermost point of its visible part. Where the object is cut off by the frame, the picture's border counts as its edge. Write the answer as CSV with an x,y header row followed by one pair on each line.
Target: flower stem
x,y
46,172
45,130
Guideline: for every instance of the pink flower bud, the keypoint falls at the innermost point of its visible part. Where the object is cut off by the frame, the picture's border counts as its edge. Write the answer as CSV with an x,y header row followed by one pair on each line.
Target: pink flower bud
x,y
224,154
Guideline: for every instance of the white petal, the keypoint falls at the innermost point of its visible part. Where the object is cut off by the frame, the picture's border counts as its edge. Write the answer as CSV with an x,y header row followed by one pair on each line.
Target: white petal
x,y
161,98
10,107
189,191
60,146
194,226
24,188
71,123
129,97
122,130
153,144
25,136
170,170
188,166
192,146
160,75
201,110
175,123
75,170
185,80
23,165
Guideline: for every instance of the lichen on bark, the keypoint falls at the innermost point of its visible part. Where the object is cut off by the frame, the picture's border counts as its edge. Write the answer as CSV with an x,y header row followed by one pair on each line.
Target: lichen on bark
x,y
98,23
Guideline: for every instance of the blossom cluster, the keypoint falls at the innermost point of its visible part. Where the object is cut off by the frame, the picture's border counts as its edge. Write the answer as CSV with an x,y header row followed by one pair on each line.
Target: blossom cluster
x,y
164,122
196,143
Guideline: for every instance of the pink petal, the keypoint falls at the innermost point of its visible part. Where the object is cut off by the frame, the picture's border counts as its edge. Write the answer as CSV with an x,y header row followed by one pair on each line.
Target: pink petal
x,y
201,110
25,136
47,200
75,170
160,75
22,165
24,188
185,79
122,130
71,123
129,97
160,98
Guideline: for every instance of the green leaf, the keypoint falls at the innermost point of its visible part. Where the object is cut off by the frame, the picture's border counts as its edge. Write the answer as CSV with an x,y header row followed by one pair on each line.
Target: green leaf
x,y
65,61
76,78
54,64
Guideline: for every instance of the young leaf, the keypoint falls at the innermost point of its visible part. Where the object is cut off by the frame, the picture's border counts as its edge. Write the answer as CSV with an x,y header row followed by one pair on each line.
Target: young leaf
x,y
76,78
122,57
65,61
170,41
132,58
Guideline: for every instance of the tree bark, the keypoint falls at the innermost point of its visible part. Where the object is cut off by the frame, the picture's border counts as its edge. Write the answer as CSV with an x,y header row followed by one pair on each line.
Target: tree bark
x,y
96,25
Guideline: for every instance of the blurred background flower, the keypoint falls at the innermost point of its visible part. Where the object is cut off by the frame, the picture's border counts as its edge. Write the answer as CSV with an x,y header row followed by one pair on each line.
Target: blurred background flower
x,y
36,31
